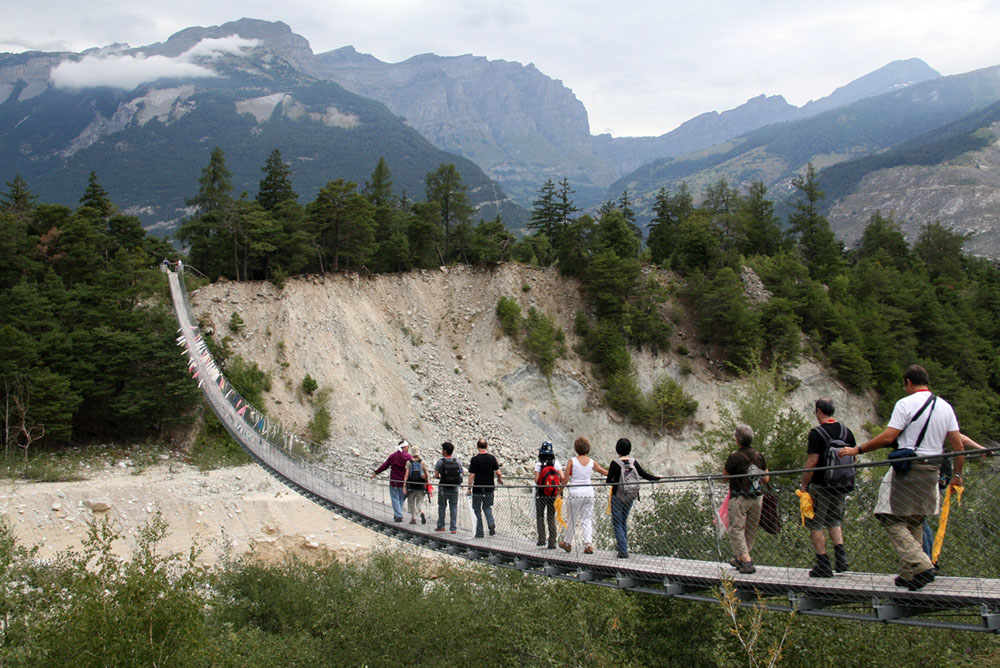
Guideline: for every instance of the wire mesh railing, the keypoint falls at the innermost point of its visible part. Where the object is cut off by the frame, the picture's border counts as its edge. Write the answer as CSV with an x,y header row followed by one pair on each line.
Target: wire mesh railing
x,y
677,537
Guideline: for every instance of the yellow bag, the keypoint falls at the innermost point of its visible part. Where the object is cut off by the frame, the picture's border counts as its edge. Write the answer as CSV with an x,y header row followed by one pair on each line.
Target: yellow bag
x,y
805,506
943,522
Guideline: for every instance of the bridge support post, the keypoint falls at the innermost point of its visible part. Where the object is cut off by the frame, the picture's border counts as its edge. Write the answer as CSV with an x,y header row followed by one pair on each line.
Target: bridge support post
x,y
886,611
991,618
802,603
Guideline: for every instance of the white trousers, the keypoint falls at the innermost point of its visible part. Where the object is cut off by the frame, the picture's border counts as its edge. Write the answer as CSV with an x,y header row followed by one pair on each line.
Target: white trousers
x,y
581,509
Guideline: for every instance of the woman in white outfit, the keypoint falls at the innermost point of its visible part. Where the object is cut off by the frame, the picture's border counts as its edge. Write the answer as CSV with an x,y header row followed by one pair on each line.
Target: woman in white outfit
x,y
580,496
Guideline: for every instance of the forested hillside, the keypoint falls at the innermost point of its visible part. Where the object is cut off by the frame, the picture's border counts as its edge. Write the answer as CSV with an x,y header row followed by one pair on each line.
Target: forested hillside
x,y
78,290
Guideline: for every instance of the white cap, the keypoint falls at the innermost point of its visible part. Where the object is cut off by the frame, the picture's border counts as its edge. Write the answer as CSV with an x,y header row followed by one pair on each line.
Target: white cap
x,y
403,444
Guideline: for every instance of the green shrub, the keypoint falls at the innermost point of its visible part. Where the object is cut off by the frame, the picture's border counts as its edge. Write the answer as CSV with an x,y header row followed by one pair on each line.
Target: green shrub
x,y
670,405
309,385
544,342
236,323
509,314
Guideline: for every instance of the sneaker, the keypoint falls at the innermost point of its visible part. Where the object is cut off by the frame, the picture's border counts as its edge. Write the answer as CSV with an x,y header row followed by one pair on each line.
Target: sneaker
x,y
423,519
493,530
541,543
565,546
746,567
589,549
397,519
918,581
439,529
552,547
822,568
454,530
623,555
478,535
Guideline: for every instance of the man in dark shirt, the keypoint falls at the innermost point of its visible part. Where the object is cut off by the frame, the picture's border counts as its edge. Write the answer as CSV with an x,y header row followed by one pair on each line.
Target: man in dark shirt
x,y
828,499
481,470
745,498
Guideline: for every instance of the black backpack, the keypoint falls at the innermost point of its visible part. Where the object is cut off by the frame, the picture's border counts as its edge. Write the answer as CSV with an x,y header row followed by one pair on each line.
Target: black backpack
x,y
451,471
841,479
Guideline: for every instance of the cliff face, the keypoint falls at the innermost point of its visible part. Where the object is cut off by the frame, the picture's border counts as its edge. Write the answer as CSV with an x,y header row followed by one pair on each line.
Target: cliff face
x,y
517,124
422,355
963,193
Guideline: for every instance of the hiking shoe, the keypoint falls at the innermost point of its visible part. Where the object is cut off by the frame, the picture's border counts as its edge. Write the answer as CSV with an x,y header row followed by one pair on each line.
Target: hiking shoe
x,y
912,585
397,519
623,555
746,567
927,576
552,547
423,518
565,546
840,559
822,568
589,549
541,543
478,535
439,529
493,530
734,562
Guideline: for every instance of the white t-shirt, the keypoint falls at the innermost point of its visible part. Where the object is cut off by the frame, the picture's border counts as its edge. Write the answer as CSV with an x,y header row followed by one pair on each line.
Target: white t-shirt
x,y
555,463
942,420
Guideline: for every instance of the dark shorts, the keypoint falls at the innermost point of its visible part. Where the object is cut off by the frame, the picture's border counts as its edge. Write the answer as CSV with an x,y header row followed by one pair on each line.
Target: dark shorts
x,y
828,506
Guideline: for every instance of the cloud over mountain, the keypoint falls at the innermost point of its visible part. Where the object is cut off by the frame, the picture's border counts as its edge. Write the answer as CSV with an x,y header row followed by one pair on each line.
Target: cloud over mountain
x,y
127,71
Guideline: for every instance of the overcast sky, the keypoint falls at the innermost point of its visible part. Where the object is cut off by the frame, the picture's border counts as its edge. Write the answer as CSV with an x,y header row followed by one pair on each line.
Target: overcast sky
x,y
641,67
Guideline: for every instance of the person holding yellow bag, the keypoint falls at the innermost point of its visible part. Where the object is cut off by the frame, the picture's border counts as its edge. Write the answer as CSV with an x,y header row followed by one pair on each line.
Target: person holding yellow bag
x,y
827,491
581,495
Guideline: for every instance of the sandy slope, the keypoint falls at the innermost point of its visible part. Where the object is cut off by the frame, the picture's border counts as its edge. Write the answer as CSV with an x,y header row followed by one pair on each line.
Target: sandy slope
x,y
228,511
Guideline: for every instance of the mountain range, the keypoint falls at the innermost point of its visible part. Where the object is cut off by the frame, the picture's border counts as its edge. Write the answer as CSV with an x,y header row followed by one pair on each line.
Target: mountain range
x,y
145,119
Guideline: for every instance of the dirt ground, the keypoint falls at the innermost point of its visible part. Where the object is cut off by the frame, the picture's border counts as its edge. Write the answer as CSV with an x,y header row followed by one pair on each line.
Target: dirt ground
x,y
224,513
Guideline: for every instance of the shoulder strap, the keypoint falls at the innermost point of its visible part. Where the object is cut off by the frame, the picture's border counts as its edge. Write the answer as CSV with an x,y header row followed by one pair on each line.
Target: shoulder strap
x,y
920,438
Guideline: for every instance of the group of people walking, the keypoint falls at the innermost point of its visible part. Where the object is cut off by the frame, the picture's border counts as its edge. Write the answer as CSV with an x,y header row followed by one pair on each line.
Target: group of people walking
x,y
410,482
920,425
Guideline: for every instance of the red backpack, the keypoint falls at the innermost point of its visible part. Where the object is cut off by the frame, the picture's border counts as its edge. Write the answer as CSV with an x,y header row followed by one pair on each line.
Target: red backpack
x,y
549,481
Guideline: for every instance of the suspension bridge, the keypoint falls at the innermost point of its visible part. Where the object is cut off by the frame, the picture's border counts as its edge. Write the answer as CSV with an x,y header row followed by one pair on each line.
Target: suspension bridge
x,y
684,551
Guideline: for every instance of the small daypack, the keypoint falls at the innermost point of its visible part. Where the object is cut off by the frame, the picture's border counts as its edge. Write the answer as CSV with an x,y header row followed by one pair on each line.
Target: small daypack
x,y
629,489
755,483
842,479
549,481
451,471
417,480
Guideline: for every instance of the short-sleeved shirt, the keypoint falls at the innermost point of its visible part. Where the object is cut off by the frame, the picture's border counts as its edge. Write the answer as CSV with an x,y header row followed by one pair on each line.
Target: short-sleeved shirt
x,y
941,421
737,464
482,467
439,468
817,446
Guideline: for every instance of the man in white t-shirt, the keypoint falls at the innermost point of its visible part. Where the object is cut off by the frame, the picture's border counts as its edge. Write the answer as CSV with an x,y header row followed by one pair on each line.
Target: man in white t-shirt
x,y
922,422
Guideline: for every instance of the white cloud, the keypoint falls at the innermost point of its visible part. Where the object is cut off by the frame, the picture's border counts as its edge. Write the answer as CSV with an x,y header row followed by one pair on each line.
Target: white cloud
x,y
128,71
215,48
